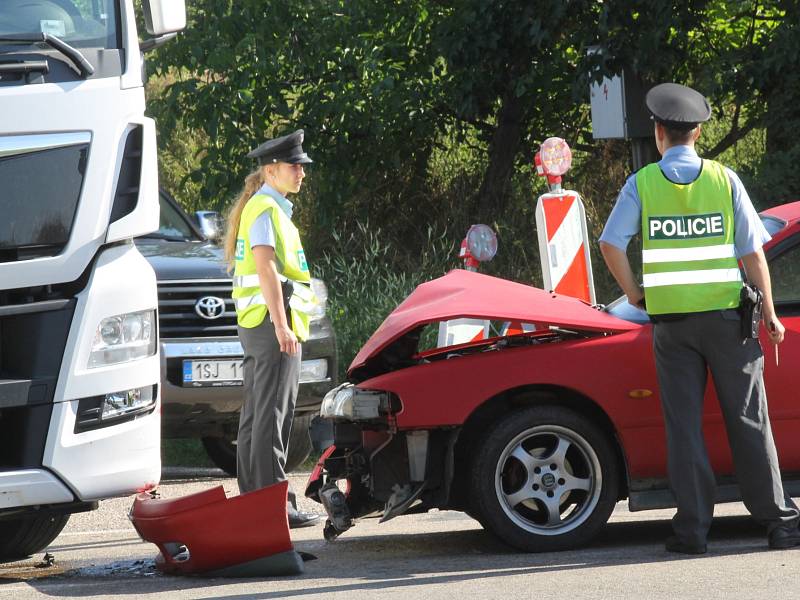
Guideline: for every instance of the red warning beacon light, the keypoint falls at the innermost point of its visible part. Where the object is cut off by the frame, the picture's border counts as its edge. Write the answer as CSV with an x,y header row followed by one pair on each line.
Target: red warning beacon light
x,y
480,245
553,160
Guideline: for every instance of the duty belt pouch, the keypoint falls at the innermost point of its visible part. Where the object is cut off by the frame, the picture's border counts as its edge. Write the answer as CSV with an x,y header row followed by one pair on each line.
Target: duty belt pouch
x,y
287,287
750,302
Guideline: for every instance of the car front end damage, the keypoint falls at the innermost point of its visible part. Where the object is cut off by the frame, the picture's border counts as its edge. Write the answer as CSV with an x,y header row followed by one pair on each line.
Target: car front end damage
x,y
407,432
373,468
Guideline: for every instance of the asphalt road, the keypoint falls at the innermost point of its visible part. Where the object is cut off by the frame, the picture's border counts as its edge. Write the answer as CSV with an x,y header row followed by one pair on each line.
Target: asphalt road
x,y
436,555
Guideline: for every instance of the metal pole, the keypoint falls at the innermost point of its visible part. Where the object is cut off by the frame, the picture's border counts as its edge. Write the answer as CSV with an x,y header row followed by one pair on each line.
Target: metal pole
x,y
643,152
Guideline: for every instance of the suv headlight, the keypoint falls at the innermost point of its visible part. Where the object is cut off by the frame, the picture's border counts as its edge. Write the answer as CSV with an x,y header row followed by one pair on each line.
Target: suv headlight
x,y
123,338
354,404
321,292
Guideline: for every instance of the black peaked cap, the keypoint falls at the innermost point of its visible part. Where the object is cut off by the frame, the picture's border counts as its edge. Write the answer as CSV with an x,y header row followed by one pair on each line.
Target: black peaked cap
x,y
287,148
677,106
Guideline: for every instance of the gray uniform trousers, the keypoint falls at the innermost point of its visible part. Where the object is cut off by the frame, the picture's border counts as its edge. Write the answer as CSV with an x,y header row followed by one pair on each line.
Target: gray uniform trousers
x,y
683,351
271,380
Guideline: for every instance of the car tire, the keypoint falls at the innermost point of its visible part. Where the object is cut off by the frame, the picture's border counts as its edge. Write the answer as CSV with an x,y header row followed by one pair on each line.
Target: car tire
x,y
19,538
222,451
544,478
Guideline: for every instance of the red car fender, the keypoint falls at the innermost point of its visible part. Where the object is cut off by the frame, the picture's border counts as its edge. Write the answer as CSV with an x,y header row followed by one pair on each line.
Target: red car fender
x,y
604,369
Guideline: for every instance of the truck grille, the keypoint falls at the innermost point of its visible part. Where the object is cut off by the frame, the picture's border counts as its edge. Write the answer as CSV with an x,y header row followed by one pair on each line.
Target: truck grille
x,y
179,315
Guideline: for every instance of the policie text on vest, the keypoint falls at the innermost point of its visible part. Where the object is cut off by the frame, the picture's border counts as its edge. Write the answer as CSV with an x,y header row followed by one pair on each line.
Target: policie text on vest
x,y
686,226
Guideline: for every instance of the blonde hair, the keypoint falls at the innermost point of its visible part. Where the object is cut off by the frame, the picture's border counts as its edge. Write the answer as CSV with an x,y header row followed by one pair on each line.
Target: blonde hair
x,y
252,183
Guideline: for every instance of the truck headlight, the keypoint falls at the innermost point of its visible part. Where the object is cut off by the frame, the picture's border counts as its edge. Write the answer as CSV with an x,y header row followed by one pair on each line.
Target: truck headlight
x,y
115,407
354,404
123,338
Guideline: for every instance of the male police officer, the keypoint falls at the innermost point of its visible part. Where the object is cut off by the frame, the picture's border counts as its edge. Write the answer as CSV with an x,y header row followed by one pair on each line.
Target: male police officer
x,y
696,218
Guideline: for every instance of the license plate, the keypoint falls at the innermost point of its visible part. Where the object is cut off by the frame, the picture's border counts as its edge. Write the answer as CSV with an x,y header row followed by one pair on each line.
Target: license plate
x,y
201,373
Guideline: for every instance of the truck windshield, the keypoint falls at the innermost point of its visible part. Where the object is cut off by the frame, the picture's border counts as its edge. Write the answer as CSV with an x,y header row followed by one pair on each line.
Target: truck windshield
x,y
80,23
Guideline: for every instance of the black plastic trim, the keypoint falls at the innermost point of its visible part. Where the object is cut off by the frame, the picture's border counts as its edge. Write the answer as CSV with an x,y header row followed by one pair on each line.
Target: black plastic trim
x,y
107,63
35,307
126,196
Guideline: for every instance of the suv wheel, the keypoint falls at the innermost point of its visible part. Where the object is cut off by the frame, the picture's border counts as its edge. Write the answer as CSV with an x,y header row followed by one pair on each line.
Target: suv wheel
x,y
222,450
299,442
544,478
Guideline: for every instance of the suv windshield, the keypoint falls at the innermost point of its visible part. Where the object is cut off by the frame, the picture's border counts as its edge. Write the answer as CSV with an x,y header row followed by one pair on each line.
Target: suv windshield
x,y
80,23
172,224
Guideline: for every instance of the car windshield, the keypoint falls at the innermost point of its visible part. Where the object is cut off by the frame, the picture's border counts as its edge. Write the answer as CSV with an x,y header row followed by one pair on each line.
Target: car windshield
x,y
621,309
772,224
80,23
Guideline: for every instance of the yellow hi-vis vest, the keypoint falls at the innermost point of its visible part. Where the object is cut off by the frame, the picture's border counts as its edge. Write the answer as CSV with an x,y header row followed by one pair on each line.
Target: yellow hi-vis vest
x,y
251,307
688,257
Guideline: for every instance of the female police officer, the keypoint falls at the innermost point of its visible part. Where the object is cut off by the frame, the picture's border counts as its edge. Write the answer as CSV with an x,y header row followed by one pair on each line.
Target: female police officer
x,y
271,289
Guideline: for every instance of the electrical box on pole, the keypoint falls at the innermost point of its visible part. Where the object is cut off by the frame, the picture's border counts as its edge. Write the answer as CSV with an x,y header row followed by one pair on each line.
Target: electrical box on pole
x,y
619,112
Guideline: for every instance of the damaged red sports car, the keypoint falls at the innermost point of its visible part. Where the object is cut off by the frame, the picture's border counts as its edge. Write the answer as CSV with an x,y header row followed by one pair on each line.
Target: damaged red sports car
x,y
536,435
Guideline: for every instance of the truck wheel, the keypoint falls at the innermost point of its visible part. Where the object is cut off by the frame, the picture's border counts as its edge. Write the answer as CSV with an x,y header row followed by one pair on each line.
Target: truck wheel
x,y
544,478
299,442
19,538
222,451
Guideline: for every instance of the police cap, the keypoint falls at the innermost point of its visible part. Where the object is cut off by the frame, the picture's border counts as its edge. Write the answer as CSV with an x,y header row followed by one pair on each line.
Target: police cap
x,y
677,106
287,148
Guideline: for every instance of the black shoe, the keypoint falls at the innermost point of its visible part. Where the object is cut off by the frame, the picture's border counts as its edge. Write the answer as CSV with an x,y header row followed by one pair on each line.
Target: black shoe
x,y
298,519
784,536
675,544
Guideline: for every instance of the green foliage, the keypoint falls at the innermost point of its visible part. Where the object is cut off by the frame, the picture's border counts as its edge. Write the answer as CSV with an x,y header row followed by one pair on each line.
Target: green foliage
x,y
368,277
179,150
342,70
424,116
184,453
742,54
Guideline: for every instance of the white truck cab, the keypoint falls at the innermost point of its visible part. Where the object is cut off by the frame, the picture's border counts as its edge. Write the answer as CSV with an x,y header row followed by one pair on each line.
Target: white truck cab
x,y
79,364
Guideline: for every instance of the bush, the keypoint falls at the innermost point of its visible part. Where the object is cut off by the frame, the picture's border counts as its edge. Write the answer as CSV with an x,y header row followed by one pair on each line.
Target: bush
x,y
365,282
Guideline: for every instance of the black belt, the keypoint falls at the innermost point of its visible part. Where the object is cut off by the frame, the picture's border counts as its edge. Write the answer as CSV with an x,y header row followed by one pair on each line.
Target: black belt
x,y
669,317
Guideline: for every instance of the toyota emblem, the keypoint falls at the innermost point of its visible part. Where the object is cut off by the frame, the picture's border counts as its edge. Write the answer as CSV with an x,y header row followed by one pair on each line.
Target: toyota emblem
x,y
210,307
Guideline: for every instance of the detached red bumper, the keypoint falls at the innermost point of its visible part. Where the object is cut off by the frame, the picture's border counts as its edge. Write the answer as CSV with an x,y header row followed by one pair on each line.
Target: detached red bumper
x,y
247,535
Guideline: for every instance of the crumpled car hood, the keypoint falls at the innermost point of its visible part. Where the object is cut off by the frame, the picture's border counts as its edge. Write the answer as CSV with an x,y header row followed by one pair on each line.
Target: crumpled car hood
x,y
466,294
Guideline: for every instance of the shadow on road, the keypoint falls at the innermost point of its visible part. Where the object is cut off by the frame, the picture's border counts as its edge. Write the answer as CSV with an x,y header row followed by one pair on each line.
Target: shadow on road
x,y
413,559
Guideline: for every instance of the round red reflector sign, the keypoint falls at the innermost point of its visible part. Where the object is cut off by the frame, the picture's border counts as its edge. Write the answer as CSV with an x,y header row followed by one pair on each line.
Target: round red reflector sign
x,y
556,156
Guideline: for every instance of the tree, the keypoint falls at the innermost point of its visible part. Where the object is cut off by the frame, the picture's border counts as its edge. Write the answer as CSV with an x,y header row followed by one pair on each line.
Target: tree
x,y
511,70
249,70
741,54
388,88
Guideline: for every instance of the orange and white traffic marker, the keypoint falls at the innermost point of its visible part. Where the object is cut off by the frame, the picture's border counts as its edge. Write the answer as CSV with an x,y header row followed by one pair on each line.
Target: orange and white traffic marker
x,y
564,245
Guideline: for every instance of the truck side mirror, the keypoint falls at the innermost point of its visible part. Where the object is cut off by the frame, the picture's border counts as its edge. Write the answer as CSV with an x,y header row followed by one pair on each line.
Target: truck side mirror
x,y
164,16
211,223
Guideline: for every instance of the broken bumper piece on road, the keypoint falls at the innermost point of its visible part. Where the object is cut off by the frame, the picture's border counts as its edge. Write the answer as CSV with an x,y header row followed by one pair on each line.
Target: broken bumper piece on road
x,y
209,534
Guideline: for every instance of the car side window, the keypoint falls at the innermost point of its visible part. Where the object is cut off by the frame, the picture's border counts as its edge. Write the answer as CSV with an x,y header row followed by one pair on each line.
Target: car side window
x,y
784,272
